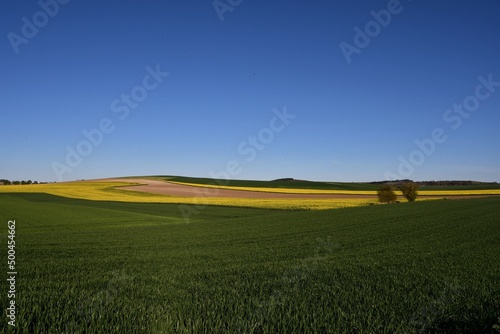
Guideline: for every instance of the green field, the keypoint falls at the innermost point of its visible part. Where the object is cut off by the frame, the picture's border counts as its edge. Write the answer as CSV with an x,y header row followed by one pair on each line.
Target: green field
x,y
316,185
109,267
296,184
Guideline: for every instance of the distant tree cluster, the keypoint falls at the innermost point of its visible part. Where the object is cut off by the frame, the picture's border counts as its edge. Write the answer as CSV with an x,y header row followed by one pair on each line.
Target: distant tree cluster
x,y
285,179
454,183
446,183
392,182
386,192
23,182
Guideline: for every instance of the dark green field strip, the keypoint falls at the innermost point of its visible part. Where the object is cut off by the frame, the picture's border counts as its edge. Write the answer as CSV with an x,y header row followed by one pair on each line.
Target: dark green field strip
x,y
123,267
302,184
312,184
90,214
471,187
296,184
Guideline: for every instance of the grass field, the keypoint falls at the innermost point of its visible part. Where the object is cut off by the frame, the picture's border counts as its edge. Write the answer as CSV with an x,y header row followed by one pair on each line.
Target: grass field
x,y
115,267
313,185
310,187
296,184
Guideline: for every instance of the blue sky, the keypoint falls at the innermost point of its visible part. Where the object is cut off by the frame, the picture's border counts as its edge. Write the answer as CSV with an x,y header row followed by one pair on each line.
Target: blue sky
x,y
354,120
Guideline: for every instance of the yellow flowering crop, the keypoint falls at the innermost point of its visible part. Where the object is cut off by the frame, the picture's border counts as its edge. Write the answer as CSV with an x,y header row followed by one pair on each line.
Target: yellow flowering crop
x,y
284,190
459,192
345,192
109,191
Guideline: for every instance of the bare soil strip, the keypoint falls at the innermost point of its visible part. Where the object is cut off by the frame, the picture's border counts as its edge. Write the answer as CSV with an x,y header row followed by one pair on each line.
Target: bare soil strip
x,y
173,189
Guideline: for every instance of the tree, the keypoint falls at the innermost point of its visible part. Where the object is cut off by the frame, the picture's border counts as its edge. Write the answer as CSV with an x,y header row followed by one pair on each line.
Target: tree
x,y
409,190
386,194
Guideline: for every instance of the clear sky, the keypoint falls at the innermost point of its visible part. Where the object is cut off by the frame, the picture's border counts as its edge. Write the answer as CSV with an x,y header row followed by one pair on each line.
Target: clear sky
x,y
330,90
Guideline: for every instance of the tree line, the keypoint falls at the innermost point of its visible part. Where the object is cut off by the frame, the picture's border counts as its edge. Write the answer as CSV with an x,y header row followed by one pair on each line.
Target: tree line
x,y
436,183
23,182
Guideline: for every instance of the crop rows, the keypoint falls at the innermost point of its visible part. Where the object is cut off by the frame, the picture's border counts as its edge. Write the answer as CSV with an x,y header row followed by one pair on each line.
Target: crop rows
x,y
89,267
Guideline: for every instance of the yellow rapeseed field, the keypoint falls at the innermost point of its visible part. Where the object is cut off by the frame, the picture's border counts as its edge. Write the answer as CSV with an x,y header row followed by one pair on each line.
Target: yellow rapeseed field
x,y
459,192
108,191
346,192
284,190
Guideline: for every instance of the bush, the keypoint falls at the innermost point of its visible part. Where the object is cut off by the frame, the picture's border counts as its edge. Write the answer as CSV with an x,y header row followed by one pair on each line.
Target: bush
x,y
409,190
386,194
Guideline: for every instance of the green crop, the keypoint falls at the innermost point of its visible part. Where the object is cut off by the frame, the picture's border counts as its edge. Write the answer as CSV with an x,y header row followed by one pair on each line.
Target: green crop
x,y
109,267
